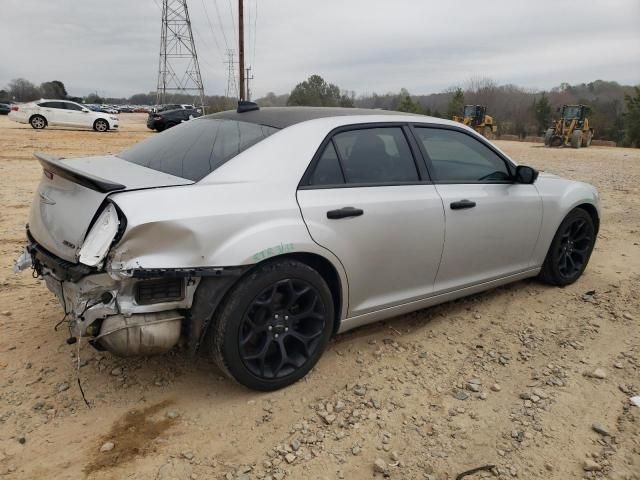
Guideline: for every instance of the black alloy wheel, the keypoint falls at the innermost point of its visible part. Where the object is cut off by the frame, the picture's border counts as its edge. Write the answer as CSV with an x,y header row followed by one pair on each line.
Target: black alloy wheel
x,y
273,325
570,249
282,328
574,248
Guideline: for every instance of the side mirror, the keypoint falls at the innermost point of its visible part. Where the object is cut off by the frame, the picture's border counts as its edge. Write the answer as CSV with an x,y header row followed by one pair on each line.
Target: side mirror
x,y
526,175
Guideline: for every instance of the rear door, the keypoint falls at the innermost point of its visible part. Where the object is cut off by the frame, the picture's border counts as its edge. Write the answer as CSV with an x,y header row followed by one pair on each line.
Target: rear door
x,y
366,199
492,223
53,112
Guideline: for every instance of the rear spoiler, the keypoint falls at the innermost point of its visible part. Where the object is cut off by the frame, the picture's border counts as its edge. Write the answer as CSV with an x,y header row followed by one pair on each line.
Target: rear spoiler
x,y
54,166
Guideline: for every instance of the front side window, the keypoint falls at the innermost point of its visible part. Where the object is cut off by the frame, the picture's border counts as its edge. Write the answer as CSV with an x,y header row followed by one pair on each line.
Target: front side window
x,y
375,155
195,149
458,158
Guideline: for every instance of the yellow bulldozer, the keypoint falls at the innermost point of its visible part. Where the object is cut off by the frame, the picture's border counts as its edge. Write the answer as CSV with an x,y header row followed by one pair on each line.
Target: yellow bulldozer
x,y
475,116
572,129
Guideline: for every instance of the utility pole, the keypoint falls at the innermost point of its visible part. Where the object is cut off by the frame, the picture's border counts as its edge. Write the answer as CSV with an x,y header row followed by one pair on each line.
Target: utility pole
x,y
241,47
178,68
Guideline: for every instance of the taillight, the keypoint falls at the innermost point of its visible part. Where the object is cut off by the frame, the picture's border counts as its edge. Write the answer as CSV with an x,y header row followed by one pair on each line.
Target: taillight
x,y
14,108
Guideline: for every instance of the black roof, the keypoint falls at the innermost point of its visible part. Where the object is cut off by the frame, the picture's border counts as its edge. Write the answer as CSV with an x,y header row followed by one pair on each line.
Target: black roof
x,y
283,117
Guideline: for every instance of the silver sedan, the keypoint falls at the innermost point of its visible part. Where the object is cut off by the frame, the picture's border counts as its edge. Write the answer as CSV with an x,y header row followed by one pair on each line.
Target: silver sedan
x,y
258,234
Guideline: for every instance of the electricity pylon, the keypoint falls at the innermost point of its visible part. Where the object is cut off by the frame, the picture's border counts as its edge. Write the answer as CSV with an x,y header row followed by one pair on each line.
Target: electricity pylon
x,y
178,69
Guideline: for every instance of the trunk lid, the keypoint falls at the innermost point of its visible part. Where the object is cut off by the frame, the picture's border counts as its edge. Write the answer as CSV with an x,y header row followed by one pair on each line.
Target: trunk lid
x,y
71,192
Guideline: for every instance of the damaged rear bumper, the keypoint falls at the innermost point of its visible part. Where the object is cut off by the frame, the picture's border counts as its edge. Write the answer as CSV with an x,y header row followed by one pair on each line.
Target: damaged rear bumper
x,y
130,313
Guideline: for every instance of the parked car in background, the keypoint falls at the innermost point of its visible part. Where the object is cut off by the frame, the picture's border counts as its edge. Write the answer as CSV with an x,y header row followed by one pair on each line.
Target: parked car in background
x,y
238,231
5,108
43,113
160,121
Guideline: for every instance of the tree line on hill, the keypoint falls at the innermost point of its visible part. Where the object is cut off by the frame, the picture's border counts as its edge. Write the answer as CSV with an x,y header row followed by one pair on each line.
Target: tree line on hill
x,y
615,108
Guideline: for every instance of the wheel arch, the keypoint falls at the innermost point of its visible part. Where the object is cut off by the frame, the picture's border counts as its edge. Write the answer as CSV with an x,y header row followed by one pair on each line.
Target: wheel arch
x,y
330,275
38,115
212,292
593,213
104,120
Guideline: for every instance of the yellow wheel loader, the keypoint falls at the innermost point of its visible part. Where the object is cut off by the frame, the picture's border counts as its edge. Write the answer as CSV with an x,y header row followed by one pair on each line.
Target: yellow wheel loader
x,y
475,116
572,129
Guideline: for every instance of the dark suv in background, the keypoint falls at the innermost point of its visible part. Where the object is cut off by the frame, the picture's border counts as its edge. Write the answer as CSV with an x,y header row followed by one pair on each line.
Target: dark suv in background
x,y
160,121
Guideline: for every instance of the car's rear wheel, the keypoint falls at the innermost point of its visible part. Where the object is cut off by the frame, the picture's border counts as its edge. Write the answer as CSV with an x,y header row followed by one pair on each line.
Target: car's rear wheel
x,y
100,125
570,249
273,326
38,122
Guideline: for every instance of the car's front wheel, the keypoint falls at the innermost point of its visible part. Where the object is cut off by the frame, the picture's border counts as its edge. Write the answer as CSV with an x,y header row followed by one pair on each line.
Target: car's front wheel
x,y
570,249
100,125
273,326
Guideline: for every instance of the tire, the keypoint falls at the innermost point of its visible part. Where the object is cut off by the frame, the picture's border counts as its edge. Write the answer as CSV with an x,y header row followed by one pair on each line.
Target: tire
x,y
576,139
570,249
273,326
586,139
487,133
160,128
171,125
38,122
101,125
556,141
547,137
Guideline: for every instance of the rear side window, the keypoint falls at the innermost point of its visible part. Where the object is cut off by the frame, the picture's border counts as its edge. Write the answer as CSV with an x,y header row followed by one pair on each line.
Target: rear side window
x,y
328,170
52,105
375,155
194,149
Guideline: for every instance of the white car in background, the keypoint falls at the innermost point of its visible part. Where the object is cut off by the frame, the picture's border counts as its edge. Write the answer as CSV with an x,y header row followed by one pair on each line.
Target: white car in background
x,y
44,113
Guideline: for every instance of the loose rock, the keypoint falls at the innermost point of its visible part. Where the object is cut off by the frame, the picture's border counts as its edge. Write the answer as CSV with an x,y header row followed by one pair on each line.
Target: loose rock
x,y
380,466
107,447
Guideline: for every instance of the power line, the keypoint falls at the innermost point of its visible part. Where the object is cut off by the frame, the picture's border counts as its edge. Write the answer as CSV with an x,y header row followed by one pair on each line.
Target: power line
x,y
213,33
224,36
233,23
255,33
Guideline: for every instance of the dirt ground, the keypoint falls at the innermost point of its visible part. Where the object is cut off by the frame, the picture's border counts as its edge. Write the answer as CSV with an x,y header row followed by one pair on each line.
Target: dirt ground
x,y
515,377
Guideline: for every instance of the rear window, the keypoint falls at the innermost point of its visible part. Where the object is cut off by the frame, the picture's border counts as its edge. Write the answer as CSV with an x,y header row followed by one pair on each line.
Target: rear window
x,y
195,149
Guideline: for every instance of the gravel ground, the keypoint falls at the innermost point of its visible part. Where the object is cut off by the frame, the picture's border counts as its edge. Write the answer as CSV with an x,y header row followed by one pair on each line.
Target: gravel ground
x,y
531,379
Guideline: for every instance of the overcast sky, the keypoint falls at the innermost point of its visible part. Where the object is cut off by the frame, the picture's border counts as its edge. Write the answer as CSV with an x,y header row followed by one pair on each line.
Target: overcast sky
x,y
363,45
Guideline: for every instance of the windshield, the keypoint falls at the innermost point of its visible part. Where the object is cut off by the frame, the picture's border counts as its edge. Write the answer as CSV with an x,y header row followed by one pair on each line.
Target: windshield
x,y
470,111
196,148
571,112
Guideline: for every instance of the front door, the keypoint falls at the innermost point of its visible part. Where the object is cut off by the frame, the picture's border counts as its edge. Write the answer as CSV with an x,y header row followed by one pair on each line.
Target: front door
x,y
76,115
366,201
492,223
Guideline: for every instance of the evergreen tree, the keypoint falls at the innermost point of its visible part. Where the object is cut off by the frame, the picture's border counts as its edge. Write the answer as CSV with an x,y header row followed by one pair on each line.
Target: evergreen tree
x,y
456,104
632,119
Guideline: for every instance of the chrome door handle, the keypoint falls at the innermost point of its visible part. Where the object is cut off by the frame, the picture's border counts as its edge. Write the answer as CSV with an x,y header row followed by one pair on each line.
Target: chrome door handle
x,y
462,204
344,213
